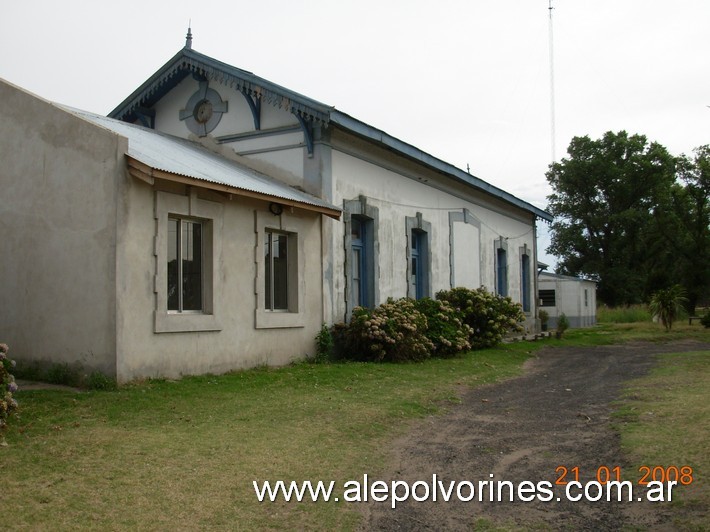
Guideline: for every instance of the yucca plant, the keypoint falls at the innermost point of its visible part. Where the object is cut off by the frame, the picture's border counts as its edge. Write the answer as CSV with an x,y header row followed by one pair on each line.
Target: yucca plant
x,y
667,304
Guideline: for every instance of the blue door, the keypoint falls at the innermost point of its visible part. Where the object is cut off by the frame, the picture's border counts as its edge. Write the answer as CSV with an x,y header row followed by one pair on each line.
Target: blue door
x,y
359,262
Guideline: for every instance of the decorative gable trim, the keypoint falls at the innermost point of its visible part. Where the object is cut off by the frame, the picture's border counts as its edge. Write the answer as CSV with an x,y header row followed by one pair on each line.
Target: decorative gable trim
x,y
187,62
310,113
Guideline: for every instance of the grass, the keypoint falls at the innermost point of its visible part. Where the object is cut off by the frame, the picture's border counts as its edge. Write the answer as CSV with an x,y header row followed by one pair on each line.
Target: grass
x,y
630,314
608,333
665,421
163,454
183,454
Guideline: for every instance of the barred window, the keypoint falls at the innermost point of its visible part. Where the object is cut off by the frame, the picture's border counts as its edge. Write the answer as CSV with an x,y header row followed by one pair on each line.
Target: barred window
x,y
547,298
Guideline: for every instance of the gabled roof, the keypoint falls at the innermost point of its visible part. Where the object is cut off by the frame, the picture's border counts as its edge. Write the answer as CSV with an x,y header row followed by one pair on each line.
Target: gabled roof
x,y
187,61
153,154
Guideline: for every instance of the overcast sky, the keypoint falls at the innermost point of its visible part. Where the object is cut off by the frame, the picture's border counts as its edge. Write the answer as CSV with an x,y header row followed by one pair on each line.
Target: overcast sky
x,y
467,81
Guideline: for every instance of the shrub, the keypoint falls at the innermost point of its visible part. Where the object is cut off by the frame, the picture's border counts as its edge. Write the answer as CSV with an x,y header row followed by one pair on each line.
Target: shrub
x,y
393,332
445,327
544,318
705,320
8,404
562,324
324,344
489,316
667,304
98,381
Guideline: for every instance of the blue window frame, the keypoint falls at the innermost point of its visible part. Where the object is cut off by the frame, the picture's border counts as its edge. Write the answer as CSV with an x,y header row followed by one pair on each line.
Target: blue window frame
x,y
525,282
502,272
418,265
359,248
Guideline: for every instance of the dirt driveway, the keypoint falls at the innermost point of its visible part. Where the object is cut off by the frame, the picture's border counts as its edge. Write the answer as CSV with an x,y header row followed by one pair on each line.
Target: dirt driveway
x,y
556,414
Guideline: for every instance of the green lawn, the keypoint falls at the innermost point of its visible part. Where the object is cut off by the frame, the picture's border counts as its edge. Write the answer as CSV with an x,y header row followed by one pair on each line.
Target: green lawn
x,y
163,454
665,423
184,454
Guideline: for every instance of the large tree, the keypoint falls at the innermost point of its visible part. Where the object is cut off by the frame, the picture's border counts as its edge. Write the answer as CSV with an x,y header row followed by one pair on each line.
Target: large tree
x,y
684,228
604,196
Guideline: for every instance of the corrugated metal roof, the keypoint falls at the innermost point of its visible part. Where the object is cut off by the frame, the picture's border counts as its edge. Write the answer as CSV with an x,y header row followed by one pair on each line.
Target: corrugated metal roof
x,y
189,159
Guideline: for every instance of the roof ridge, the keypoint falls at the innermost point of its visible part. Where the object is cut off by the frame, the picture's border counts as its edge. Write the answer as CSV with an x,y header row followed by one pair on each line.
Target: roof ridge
x,y
188,60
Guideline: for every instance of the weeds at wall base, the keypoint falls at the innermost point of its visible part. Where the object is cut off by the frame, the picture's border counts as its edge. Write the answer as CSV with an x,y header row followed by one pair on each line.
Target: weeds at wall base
x,y
63,373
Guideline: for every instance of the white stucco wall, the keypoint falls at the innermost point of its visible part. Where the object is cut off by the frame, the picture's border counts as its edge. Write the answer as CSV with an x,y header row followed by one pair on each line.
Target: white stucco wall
x,y
57,219
79,258
279,142
237,119
570,299
467,259
81,265
238,343
398,193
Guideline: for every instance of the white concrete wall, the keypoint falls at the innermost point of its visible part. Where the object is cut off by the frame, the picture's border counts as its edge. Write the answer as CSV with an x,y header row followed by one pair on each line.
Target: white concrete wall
x,y
238,344
467,259
58,176
570,300
384,181
79,268
277,149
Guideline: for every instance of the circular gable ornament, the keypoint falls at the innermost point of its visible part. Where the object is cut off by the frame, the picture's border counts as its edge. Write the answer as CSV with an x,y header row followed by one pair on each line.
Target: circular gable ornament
x,y
203,110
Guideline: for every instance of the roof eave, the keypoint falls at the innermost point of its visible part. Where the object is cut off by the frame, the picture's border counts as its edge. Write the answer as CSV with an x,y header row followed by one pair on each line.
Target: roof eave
x,y
362,129
148,174
188,60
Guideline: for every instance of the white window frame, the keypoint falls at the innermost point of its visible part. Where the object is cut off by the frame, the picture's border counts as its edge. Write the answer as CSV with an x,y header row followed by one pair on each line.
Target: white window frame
x,y
210,214
269,279
291,226
180,221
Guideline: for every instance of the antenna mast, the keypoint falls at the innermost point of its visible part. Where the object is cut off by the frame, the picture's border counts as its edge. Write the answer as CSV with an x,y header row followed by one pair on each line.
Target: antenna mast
x,y
552,88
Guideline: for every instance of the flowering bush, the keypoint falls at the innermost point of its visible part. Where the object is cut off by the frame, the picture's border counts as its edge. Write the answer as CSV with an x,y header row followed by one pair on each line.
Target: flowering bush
x,y
407,330
393,332
489,316
446,329
8,405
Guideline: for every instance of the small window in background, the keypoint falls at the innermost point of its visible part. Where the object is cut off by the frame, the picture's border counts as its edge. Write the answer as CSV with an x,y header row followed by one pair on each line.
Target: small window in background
x,y
547,298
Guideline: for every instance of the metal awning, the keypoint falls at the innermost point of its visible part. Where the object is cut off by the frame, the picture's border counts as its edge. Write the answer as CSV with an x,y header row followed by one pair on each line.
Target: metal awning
x,y
152,154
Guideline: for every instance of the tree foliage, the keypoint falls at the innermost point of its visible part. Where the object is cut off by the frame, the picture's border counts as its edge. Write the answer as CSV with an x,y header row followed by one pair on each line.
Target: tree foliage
x,y
632,217
684,228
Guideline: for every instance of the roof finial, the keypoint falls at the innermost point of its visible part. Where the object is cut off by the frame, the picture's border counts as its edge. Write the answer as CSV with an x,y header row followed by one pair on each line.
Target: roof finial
x,y
188,37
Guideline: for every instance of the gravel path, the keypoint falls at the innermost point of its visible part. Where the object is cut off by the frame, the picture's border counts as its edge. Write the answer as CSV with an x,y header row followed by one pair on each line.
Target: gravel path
x,y
556,414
